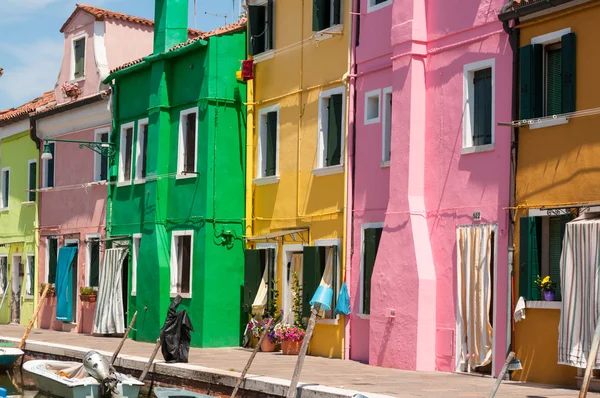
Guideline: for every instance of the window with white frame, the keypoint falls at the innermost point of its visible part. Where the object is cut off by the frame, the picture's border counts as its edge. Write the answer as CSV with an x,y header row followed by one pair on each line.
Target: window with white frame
x,y
93,259
31,179
261,20
181,262
329,270
141,150
137,240
478,123
30,275
101,162
48,172
331,128
3,273
326,13
372,99
5,193
371,236
188,142
78,58
268,142
375,5
125,152
51,259
386,148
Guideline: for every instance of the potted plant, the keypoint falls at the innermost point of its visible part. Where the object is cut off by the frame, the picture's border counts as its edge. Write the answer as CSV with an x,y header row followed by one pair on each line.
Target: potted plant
x,y
51,290
87,294
547,287
71,90
291,336
258,328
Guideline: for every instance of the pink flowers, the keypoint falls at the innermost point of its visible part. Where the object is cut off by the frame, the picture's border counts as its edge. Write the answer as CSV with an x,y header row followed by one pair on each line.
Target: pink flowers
x,y
70,90
285,332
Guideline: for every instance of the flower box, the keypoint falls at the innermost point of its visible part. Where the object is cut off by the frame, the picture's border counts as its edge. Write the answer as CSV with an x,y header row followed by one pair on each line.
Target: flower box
x,y
88,298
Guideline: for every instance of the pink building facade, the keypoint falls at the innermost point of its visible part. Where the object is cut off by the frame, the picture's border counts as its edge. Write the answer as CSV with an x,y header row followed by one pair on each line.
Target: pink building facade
x,y
430,186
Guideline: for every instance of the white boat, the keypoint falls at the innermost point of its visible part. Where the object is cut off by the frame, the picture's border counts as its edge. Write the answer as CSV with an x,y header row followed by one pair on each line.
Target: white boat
x,y
70,380
8,356
165,392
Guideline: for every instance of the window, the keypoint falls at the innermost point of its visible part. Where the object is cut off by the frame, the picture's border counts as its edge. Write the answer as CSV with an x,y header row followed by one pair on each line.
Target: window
x,y
326,13
478,120
51,259
48,180
125,152
137,240
188,147
141,150
3,273
101,162
30,275
257,264
371,238
5,187
547,70
375,5
31,180
372,107
331,122
386,150
540,250
181,263
320,265
261,19
268,142
93,259
78,63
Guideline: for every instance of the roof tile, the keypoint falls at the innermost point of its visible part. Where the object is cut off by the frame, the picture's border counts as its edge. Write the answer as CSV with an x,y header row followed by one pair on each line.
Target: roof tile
x,y
14,114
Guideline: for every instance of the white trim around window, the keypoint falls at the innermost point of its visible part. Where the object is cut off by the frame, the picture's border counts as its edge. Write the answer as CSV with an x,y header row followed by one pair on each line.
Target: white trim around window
x,y
136,242
47,256
469,104
122,154
2,188
139,158
264,246
88,256
338,266
371,6
85,44
261,179
321,169
6,274
97,157
364,226
174,265
29,273
181,150
372,107
386,111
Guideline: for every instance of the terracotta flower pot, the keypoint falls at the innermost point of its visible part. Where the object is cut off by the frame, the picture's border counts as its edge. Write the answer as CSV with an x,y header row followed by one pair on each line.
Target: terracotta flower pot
x,y
291,347
91,298
267,346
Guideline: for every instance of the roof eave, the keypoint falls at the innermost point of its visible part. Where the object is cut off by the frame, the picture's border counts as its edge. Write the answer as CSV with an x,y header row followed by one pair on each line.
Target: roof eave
x,y
529,9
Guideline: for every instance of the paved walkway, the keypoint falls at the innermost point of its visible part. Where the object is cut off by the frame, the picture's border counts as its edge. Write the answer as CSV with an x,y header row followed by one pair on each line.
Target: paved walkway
x,y
328,372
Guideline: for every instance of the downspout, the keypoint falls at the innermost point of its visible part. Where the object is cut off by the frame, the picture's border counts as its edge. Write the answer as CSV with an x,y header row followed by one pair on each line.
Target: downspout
x,y
351,164
249,151
109,202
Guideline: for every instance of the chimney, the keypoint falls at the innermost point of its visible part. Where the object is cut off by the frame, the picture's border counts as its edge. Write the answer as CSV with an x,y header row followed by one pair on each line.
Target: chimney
x,y
170,24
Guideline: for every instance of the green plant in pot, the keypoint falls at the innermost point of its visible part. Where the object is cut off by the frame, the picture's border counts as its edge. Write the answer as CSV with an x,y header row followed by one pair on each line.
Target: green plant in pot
x,y
547,286
87,294
51,290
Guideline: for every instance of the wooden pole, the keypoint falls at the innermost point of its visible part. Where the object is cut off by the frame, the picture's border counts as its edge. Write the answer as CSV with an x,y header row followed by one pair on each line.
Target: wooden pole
x,y
241,378
4,295
590,362
114,357
293,389
501,375
34,317
149,364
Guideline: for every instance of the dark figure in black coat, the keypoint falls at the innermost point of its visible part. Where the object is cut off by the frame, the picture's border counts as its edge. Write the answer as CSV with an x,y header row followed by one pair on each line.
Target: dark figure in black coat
x,y
175,334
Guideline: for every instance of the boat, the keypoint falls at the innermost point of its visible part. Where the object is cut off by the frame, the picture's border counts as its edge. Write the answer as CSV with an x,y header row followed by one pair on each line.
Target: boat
x,y
166,392
71,380
8,356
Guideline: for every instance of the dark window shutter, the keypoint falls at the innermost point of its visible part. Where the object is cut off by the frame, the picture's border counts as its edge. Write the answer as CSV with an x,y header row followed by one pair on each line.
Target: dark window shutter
x,y
144,149
270,24
257,22
538,80
321,14
127,149
254,261
50,166
52,259
271,261
482,128
372,238
529,257
312,259
531,85
553,81
271,155
568,73
32,180
357,27
557,234
79,58
104,160
94,262
190,142
337,12
334,130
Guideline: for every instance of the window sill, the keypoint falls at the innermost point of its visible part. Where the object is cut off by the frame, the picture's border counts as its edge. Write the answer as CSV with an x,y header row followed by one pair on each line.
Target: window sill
x,y
183,295
263,56
266,180
328,33
375,7
327,321
180,176
325,171
375,120
3,209
133,294
46,189
363,316
384,164
123,183
28,203
79,79
477,149
548,305
28,298
139,181
548,123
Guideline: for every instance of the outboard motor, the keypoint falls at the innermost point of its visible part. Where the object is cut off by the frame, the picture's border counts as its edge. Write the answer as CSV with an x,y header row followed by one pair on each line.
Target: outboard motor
x,y
98,367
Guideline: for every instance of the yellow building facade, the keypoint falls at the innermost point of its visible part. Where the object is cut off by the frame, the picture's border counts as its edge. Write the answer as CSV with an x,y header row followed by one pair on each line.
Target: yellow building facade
x,y
557,171
296,155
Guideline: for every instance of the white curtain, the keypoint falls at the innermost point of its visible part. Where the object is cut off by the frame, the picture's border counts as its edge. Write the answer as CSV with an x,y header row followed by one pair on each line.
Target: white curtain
x,y
260,301
3,276
109,317
474,295
327,279
288,305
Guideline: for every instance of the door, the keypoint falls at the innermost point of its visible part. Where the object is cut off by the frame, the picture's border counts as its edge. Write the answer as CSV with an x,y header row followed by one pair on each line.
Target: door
x,y
292,275
17,278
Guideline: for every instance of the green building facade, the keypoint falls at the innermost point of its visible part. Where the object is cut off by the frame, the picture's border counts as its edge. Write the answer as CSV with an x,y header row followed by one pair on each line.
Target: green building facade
x,y
178,178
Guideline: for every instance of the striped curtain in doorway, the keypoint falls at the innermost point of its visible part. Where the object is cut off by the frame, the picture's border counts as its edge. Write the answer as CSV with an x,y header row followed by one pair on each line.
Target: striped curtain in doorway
x,y
109,307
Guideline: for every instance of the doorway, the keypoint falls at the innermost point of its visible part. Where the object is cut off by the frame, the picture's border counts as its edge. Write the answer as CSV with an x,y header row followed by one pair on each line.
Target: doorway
x,y
17,278
291,263
124,287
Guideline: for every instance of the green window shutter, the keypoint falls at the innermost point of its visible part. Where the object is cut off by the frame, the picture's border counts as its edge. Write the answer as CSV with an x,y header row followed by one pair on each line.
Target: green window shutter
x,y
94,263
79,58
52,259
321,14
257,22
50,168
557,233
529,257
271,160
553,81
270,24
144,150
372,238
531,84
271,261
334,130
337,12
254,262
568,73
313,259
482,128
104,160
32,181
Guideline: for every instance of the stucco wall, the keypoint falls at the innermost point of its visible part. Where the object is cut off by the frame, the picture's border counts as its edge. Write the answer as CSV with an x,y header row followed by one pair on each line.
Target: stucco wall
x,y
138,44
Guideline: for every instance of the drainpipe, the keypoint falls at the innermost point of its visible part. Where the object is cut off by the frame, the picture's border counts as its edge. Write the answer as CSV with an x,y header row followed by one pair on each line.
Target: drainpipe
x,y
112,138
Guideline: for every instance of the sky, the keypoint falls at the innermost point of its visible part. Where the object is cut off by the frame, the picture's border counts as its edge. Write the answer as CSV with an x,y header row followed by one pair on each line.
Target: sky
x,y
31,45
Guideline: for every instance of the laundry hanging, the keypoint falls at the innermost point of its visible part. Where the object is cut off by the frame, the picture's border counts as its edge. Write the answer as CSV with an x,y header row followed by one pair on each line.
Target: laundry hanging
x,y
474,292
261,299
64,283
109,317
295,266
580,306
